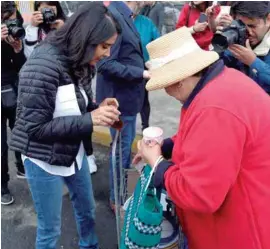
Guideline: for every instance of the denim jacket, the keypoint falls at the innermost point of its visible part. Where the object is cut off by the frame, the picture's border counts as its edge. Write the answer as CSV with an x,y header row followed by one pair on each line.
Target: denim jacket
x,y
259,70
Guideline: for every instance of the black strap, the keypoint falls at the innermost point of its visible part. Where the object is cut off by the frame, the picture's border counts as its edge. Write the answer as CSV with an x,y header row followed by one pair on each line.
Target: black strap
x,y
187,21
31,43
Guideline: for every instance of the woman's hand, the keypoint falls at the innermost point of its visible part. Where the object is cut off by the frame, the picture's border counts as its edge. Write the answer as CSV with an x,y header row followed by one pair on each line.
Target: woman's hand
x,y
200,27
37,18
16,44
105,115
4,32
110,101
210,12
150,154
57,24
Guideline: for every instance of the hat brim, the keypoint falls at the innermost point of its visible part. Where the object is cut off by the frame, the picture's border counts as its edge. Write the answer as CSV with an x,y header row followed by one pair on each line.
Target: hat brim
x,y
180,69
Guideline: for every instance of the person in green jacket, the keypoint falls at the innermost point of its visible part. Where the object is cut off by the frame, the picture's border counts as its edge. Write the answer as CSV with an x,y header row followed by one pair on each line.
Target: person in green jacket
x,y
148,33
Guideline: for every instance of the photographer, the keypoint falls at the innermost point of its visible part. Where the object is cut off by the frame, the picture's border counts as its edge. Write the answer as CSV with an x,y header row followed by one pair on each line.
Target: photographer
x,y
12,59
253,59
192,17
47,16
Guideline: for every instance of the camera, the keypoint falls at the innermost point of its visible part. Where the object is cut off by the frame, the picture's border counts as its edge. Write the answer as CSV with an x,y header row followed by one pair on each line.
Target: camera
x,y
15,30
48,15
236,33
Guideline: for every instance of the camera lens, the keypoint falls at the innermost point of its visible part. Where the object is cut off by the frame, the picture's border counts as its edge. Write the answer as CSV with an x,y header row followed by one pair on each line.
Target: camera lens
x,y
220,43
17,32
48,15
50,19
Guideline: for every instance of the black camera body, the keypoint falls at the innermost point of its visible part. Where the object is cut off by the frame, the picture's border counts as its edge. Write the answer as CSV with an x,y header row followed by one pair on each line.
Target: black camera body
x,y
49,16
15,30
236,33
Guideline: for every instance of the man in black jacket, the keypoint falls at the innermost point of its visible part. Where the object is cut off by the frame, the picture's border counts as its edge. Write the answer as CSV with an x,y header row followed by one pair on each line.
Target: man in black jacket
x,y
12,58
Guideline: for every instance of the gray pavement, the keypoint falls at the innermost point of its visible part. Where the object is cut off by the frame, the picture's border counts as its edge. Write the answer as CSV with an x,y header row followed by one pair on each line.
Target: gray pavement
x,y
165,113
18,220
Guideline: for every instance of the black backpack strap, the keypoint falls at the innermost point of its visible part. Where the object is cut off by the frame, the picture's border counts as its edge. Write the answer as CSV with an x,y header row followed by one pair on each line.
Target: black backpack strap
x,y
187,21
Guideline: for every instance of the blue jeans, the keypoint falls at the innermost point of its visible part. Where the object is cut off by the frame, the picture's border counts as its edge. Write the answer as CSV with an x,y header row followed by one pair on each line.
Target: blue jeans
x,y
47,191
128,134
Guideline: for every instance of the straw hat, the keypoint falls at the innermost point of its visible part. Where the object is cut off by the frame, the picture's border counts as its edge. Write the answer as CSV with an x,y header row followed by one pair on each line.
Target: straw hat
x,y
174,57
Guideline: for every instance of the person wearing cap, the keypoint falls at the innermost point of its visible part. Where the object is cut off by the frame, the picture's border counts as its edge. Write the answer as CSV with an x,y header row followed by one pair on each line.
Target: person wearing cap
x,y
12,60
217,166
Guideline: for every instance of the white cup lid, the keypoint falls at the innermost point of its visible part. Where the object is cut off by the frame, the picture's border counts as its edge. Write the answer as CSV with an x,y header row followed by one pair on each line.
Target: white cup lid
x,y
152,132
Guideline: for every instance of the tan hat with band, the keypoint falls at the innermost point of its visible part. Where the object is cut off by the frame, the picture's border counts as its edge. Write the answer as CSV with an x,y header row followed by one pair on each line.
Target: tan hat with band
x,y
174,57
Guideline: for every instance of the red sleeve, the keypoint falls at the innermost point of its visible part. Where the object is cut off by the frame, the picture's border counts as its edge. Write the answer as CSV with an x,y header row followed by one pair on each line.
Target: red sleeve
x,y
212,152
173,138
183,17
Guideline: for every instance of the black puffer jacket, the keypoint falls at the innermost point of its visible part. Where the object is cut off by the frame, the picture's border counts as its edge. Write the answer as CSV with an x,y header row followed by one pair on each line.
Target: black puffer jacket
x,y
36,133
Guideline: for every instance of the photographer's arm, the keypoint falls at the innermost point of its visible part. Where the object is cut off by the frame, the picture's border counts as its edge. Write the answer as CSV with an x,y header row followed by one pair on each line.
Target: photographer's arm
x,y
262,69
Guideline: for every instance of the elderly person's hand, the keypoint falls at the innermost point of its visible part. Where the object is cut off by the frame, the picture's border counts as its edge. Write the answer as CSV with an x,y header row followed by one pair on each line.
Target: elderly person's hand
x,y
150,153
243,54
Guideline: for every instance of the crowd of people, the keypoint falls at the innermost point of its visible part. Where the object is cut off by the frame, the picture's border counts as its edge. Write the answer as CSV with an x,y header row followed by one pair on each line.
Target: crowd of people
x,y
215,62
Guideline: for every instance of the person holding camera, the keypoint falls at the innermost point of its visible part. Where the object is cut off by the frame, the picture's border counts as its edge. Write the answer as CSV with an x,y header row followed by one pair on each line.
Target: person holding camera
x,y
47,16
55,120
250,53
193,16
12,59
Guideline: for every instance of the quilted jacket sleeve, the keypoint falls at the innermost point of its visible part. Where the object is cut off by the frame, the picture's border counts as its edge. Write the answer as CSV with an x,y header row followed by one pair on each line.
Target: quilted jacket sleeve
x,y
39,80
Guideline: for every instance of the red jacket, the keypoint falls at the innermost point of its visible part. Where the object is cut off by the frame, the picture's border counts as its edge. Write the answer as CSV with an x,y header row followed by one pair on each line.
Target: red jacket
x,y
204,38
220,180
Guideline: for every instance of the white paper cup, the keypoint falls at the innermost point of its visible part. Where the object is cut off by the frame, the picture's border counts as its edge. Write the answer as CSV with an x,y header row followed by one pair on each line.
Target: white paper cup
x,y
153,135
